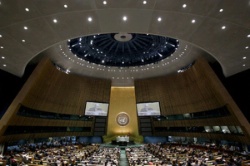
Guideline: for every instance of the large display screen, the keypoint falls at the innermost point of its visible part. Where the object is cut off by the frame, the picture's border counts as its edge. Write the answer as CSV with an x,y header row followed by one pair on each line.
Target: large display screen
x,y
148,109
96,109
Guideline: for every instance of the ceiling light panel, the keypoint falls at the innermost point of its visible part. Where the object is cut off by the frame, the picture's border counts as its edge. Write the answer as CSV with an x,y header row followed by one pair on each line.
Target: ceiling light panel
x,y
13,12
58,6
134,22
66,27
192,7
38,34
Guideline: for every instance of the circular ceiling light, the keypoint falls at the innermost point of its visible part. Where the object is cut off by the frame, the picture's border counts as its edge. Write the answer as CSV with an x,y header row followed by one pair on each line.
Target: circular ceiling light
x,y
123,37
123,49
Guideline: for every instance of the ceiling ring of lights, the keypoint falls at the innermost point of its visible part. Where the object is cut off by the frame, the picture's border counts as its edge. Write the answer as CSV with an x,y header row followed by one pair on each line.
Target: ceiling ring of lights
x,y
123,49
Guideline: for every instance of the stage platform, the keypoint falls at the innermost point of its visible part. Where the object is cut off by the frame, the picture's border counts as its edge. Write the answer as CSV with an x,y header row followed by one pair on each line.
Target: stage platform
x,y
122,143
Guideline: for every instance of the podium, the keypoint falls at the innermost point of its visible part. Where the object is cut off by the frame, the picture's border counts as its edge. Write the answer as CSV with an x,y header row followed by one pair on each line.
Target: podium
x,y
121,141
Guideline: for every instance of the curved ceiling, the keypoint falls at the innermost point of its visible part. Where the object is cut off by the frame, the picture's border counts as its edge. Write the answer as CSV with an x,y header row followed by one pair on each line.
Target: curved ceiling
x,y
123,49
33,28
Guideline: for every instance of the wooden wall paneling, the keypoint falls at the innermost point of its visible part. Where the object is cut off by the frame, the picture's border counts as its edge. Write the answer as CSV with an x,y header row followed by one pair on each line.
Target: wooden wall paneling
x,y
197,89
50,90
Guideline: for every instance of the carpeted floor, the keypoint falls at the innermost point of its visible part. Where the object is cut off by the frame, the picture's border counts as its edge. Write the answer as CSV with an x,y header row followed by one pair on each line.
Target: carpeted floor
x,y
123,159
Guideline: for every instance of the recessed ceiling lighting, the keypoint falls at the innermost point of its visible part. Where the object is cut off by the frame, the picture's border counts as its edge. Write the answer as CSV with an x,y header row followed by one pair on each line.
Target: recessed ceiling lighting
x,y
65,6
184,5
1,47
159,19
248,36
55,20
104,2
223,27
221,10
89,19
3,57
144,2
4,65
1,36
25,27
124,18
27,9
244,65
246,47
244,57
193,21
23,41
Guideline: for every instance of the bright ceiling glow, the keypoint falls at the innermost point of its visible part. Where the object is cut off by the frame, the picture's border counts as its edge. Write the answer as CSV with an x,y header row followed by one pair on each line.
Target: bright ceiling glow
x,y
246,47
184,5
223,27
3,57
159,19
1,47
144,2
193,21
124,18
221,10
104,2
1,36
65,6
4,65
23,41
244,57
27,9
55,20
89,19
25,27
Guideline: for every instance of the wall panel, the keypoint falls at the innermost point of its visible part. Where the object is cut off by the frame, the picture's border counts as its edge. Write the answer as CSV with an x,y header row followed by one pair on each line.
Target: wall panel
x,y
197,89
51,90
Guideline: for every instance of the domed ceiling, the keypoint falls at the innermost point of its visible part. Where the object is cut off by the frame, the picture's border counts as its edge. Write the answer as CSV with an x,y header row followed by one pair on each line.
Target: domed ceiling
x,y
124,40
123,49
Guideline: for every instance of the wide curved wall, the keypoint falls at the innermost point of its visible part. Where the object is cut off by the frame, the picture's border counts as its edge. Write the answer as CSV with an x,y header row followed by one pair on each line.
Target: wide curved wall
x,y
195,91
51,92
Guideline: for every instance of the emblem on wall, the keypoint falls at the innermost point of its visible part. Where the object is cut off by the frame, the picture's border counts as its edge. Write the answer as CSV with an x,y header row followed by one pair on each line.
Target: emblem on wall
x,y
122,119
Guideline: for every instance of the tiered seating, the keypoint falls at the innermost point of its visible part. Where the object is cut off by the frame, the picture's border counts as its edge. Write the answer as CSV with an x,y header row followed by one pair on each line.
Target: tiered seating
x,y
66,155
179,155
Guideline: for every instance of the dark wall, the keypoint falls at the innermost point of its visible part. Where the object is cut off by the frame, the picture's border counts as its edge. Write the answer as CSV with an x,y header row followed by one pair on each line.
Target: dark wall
x,y
238,86
10,85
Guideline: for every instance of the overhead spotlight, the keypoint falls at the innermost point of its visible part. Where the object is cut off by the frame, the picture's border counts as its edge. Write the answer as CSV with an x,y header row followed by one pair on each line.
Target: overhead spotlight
x,y
89,19
223,27
55,20
221,10
159,19
65,6
144,2
124,18
27,9
25,27
184,5
193,21
104,2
